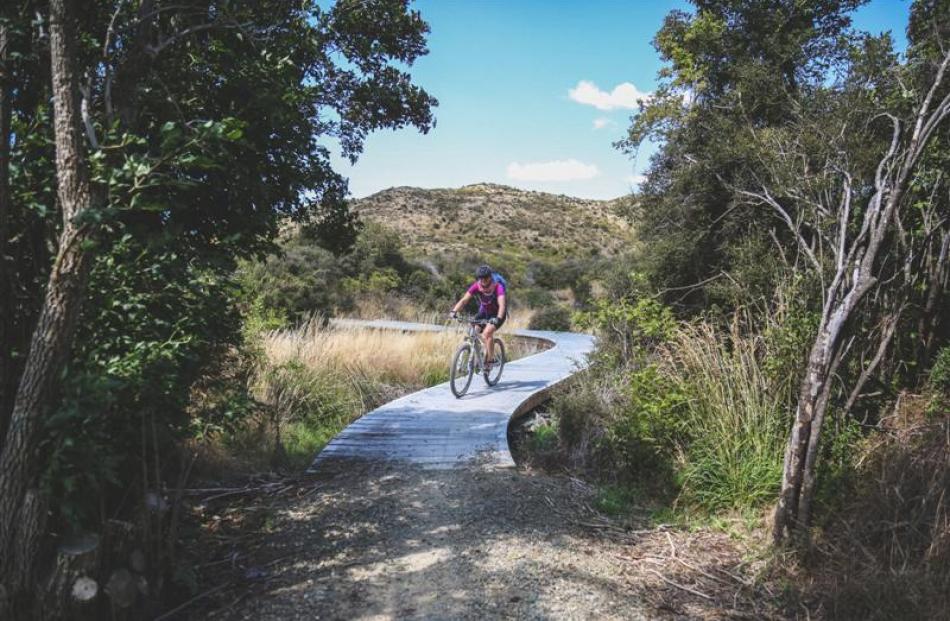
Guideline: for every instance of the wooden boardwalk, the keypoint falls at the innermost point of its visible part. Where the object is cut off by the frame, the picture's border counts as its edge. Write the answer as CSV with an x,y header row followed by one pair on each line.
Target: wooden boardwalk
x,y
433,429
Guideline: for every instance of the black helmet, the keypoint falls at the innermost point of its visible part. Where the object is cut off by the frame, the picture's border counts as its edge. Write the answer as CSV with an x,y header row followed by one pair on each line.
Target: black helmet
x,y
482,271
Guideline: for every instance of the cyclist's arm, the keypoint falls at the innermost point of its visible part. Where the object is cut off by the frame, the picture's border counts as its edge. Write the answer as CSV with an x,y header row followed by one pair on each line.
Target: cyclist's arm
x,y
461,303
502,305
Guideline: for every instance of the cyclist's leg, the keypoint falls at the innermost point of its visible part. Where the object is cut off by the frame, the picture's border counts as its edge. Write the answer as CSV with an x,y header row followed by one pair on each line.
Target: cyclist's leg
x,y
485,331
489,336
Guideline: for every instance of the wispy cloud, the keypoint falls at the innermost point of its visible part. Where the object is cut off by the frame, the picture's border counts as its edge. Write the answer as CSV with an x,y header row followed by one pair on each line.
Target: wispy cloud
x,y
624,95
556,170
602,122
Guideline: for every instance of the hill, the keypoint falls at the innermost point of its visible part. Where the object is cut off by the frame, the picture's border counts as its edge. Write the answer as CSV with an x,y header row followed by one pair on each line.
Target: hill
x,y
501,220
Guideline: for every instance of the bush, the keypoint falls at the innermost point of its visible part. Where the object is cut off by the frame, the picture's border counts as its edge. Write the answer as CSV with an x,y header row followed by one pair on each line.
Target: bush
x,y
632,328
300,281
535,297
555,318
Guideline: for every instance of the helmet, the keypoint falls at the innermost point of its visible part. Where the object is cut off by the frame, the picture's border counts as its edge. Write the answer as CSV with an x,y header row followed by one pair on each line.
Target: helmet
x,y
482,271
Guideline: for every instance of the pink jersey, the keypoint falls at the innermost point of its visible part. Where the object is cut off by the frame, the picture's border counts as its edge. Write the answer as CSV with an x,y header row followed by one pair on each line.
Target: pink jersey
x,y
487,302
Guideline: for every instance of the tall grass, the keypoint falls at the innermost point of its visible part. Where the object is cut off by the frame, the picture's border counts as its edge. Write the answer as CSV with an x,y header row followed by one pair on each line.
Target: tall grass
x,y
702,416
315,379
411,360
735,416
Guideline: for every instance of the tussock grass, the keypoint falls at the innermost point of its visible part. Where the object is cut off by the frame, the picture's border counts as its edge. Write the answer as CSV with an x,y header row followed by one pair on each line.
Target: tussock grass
x,y
736,416
411,360
698,418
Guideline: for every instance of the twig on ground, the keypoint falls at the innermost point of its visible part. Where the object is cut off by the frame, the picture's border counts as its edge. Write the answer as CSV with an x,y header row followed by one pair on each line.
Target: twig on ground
x,y
679,586
191,601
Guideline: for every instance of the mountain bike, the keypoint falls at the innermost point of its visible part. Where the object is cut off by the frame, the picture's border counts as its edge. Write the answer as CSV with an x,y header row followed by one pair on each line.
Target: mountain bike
x,y
469,359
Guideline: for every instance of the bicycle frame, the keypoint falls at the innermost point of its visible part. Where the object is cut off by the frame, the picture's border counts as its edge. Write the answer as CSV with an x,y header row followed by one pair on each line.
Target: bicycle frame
x,y
475,361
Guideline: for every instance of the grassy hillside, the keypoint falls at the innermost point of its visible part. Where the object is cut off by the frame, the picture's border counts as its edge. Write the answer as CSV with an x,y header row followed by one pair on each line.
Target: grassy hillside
x,y
498,220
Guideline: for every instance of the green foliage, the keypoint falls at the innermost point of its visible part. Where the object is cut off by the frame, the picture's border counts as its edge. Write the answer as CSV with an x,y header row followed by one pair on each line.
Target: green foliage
x,y
302,280
940,372
695,414
202,140
155,322
939,384
536,297
333,226
630,328
553,317
615,500
643,433
310,407
735,72
543,439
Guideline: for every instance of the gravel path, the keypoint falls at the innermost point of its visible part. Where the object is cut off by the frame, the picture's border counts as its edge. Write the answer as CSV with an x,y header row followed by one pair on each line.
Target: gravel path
x,y
372,535
406,543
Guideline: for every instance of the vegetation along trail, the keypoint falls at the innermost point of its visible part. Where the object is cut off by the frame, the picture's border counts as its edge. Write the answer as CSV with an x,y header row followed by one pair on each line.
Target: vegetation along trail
x,y
415,512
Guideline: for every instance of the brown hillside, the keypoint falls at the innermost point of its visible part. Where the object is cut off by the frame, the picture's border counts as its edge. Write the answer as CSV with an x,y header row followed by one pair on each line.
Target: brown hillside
x,y
471,217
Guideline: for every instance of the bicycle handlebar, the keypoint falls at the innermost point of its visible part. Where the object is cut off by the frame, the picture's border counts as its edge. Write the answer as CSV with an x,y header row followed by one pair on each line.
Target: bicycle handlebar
x,y
472,320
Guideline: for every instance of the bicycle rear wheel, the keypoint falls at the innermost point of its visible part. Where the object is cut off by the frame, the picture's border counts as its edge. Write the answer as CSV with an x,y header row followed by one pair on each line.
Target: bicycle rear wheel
x,y
462,370
493,374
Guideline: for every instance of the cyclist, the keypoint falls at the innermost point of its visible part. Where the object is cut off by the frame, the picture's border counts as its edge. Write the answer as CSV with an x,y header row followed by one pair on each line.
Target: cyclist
x,y
491,306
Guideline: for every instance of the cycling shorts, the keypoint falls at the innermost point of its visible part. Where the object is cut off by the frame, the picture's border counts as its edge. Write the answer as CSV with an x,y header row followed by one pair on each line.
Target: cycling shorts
x,y
484,315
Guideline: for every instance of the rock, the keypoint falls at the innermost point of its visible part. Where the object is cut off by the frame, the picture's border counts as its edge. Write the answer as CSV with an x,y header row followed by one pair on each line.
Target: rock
x,y
85,589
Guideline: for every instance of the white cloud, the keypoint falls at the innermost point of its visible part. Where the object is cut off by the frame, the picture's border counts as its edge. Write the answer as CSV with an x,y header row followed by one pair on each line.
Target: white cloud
x,y
624,95
636,180
602,123
557,170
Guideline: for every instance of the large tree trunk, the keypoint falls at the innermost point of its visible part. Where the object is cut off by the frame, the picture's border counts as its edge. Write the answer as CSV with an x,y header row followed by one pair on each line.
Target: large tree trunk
x,y
21,526
6,209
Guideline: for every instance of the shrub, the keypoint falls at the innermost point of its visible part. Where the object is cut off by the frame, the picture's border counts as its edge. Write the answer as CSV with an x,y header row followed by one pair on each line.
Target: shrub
x,y
940,372
631,328
552,318
535,297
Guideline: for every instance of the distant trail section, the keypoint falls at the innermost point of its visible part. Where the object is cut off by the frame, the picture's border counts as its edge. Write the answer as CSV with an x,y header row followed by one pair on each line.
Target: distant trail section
x,y
434,430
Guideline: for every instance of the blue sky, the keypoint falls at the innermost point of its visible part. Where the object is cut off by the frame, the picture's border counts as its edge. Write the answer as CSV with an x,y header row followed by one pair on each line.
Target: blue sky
x,y
527,97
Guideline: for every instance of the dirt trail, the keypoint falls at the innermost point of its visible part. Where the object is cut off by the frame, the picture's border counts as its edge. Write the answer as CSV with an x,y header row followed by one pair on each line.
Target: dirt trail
x,y
402,543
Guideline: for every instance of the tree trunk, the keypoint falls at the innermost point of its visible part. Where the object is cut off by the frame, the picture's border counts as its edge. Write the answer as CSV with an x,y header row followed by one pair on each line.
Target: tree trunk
x,y
21,529
6,208
854,277
793,509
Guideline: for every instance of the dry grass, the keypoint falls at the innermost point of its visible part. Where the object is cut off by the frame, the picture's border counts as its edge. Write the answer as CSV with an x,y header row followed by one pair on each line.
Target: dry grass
x,y
886,553
409,359
316,378
400,309
414,359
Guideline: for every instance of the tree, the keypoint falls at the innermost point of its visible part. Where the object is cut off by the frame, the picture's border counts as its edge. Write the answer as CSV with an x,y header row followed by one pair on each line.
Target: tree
x,y
834,221
732,64
190,129
765,104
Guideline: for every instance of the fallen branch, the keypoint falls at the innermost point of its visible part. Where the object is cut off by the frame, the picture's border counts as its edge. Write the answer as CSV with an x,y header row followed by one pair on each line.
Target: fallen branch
x,y
679,586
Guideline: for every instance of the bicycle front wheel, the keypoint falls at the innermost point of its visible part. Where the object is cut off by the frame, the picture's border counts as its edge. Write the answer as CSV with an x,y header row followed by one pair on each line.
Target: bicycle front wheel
x,y
462,370
493,374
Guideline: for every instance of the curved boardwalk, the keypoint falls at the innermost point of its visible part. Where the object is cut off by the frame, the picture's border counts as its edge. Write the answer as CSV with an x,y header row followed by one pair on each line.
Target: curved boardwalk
x,y
433,429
